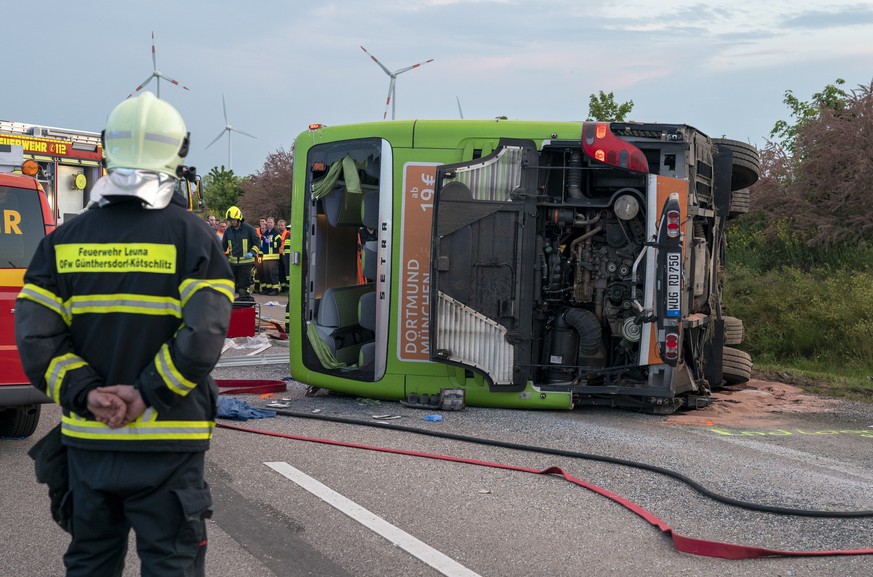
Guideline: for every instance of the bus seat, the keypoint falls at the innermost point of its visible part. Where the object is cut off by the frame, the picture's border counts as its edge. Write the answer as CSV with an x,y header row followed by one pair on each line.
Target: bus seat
x,y
368,258
342,207
367,320
336,325
367,310
339,305
367,355
370,209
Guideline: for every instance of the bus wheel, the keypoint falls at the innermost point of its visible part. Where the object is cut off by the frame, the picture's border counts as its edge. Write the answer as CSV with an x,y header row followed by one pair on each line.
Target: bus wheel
x,y
737,366
734,331
19,421
746,165
739,203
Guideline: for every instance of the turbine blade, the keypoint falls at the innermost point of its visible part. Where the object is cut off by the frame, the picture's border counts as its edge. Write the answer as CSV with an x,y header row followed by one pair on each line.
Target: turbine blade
x,y
142,85
224,106
154,57
460,112
402,70
382,66
243,132
390,96
220,134
176,82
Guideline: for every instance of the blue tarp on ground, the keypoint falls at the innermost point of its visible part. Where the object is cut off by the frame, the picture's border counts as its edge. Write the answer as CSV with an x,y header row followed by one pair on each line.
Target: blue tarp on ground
x,y
230,408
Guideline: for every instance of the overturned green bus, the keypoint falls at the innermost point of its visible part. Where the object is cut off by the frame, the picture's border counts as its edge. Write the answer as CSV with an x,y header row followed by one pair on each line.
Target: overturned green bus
x,y
516,264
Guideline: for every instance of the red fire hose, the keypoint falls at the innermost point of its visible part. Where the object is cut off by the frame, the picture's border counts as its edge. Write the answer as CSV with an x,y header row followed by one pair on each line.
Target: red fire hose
x,y
680,542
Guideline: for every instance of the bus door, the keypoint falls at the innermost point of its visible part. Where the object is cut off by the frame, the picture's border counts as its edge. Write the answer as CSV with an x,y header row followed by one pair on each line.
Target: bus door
x,y
345,240
484,243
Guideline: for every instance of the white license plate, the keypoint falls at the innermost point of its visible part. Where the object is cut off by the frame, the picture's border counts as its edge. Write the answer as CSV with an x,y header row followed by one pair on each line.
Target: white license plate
x,y
674,284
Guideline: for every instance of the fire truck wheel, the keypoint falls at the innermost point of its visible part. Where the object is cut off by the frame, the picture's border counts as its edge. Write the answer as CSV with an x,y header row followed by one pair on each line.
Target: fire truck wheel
x,y
19,421
737,366
734,331
746,165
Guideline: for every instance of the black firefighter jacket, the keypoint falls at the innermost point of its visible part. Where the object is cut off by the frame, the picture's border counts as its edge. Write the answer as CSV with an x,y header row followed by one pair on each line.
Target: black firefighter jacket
x,y
237,242
124,295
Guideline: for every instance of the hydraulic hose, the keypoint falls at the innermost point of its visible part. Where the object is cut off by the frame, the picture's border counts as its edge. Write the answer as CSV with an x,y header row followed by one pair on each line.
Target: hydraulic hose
x,y
594,457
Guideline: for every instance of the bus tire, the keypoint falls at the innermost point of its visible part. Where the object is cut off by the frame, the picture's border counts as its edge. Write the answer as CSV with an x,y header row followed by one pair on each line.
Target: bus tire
x,y
739,203
746,165
736,366
19,421
734,331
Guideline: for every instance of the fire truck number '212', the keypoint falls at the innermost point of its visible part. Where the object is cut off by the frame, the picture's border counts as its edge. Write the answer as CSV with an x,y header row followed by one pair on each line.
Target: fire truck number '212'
x,y
516,264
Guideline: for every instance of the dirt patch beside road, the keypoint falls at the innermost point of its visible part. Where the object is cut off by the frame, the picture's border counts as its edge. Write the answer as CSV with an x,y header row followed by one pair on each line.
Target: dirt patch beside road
x,y
756,403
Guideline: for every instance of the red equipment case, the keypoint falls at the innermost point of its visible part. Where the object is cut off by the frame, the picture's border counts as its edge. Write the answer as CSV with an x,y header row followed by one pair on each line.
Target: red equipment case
x,y
243,320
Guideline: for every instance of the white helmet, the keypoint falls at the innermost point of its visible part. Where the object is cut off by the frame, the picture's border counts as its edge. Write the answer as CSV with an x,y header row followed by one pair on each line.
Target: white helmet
x,y
144,142
145,133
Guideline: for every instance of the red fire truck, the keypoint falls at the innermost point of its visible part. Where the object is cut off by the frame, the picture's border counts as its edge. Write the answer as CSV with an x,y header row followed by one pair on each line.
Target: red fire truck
x,y
70,162
25,218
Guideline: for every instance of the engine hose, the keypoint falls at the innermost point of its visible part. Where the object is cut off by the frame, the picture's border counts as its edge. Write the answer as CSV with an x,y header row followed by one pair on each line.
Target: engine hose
x,y
593,457
586,324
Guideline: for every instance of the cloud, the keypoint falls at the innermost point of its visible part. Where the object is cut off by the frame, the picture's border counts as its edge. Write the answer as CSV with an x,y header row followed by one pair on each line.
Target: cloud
x,y
834,18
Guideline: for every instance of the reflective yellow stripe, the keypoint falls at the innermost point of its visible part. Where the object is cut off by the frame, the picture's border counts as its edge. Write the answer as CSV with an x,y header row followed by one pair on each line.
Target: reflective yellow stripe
x,y
47,299
139,430
192,285
116,258
171,375
57,370
271,256
126,303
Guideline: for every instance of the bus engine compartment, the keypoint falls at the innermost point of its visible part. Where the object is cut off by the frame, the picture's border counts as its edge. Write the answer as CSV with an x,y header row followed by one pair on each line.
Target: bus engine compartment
x,y
610,287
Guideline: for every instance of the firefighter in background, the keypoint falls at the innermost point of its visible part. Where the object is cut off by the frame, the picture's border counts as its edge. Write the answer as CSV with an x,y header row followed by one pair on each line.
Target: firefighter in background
x,y
121,319
286,274
240,243
271,251
284,255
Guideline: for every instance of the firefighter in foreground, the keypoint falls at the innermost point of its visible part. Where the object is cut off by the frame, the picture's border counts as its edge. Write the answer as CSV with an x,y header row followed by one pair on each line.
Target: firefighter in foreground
x,y
240,243
121,319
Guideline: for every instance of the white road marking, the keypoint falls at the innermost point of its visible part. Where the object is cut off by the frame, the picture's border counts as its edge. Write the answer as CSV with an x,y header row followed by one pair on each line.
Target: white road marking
x,y
439,561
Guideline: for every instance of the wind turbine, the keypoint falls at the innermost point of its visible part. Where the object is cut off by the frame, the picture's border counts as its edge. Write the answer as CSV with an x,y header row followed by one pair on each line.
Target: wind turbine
x,y
155,74
392,101
227,130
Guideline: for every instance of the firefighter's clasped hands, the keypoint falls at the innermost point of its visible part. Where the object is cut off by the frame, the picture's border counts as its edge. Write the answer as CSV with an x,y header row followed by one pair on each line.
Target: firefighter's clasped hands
x,y
116,406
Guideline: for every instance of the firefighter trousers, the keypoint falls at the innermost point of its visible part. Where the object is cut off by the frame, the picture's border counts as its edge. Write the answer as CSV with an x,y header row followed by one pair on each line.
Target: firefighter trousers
x,y
243,278
270,275
162,496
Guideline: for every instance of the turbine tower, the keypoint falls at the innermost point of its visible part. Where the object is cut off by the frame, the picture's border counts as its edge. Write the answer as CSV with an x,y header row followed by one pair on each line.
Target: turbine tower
x,y
392,101
227,130
155,74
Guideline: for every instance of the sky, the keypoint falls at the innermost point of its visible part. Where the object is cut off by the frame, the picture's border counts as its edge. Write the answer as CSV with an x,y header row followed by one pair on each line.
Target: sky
x,y
280,65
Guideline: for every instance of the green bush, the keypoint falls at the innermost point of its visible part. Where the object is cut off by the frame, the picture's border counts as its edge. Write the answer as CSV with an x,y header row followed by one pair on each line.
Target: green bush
x,y
807,308
823,317
764,245
799,264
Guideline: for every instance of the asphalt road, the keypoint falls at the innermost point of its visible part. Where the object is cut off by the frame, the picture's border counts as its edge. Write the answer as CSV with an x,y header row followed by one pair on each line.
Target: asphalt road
x,y
423,513
354,512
